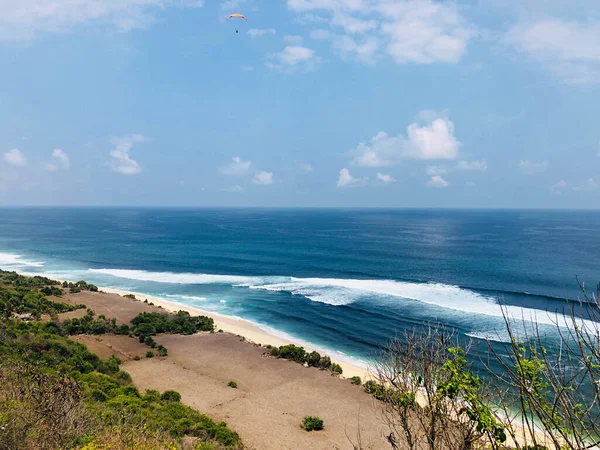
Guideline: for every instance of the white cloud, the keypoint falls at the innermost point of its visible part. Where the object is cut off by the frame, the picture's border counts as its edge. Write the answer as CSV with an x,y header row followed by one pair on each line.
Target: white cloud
x,y
23,19
231,5
319,35
121,160
290,39
309,19
61,161
532,167
236,167
559,187
425,31
365,51
235,188
15,157
292,57
412,31
562,186
569,49
434,140
436,170
347,180
304,166
589,185
386,179
352,24
255,32
437,181
481,166
263,178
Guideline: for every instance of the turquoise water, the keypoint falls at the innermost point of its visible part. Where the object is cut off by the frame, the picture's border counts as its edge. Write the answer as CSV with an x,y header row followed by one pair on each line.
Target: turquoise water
x,y
343,280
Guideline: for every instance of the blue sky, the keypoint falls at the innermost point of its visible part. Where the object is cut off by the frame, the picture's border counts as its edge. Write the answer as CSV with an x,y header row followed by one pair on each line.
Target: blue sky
x,y
385,103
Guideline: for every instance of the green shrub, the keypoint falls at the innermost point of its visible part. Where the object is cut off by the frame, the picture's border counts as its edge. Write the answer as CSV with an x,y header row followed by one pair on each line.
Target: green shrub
x,y
131,296
336,368
136,358
311,423
232,384
376,390
99,395
171,396
149,354
162,351
293,353
356,380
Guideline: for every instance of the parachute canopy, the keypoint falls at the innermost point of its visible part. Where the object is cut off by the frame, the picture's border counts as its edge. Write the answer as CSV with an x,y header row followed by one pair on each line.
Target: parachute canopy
x,y
239,16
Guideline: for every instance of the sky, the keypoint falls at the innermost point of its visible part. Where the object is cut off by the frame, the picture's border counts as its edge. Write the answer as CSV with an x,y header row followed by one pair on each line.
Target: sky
x,y
366,103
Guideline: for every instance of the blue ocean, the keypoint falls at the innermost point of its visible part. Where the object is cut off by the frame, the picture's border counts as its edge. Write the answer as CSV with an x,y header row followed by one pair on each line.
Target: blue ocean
x,y
344,280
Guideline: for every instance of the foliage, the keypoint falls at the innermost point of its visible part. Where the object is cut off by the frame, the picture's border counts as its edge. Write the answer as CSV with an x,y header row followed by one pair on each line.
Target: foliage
x,y
311,423
149,324
356,380
88,324
430,396
131,296
19,295
336,368
171,396
555,384
149,354
232,384
301,356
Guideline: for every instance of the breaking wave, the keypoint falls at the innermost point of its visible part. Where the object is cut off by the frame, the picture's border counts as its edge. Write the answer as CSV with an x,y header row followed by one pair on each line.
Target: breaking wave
x,y
341,292
10,260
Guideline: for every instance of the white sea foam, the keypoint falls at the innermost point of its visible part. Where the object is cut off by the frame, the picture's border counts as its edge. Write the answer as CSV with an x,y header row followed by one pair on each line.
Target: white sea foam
x,y
339,292
187,297
494,336
193,297
177,278
11,260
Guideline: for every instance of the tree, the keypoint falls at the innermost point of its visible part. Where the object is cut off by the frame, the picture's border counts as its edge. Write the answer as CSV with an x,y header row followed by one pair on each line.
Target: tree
x,y
555,384
430,397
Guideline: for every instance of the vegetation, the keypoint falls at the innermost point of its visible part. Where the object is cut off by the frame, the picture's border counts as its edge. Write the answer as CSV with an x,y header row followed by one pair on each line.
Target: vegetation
x,y
301,356
56,394
131,296
232,384
311,423
150,324
20,295
356,380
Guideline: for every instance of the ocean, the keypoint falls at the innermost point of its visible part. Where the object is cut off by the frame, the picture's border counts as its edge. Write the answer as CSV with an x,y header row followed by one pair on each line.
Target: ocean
x,y
344,280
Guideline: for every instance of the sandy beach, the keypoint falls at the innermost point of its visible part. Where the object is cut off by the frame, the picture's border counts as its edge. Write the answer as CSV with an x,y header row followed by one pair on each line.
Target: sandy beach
x,y
273,395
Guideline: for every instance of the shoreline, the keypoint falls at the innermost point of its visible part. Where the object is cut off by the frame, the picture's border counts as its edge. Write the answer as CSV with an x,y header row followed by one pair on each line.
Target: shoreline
x,y
251,332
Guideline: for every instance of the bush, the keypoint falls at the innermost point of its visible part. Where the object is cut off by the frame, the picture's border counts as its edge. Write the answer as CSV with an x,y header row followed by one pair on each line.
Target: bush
x,y
293,353
336,368
137,358
311,423
171,396
232,384
131,296
356,380
149,354
162,351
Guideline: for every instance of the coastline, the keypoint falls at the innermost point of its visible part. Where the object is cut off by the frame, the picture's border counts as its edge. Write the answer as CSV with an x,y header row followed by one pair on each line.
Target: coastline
x,y
250,331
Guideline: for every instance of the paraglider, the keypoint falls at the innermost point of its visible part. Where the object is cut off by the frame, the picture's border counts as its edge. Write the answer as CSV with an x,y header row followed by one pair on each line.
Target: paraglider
x,y
237,16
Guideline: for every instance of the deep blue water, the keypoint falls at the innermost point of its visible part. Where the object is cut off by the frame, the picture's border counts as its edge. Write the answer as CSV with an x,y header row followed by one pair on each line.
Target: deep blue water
x,y
345,280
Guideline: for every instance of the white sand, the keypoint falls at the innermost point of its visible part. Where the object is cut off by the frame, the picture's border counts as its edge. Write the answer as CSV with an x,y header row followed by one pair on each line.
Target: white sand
x,y
248,330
